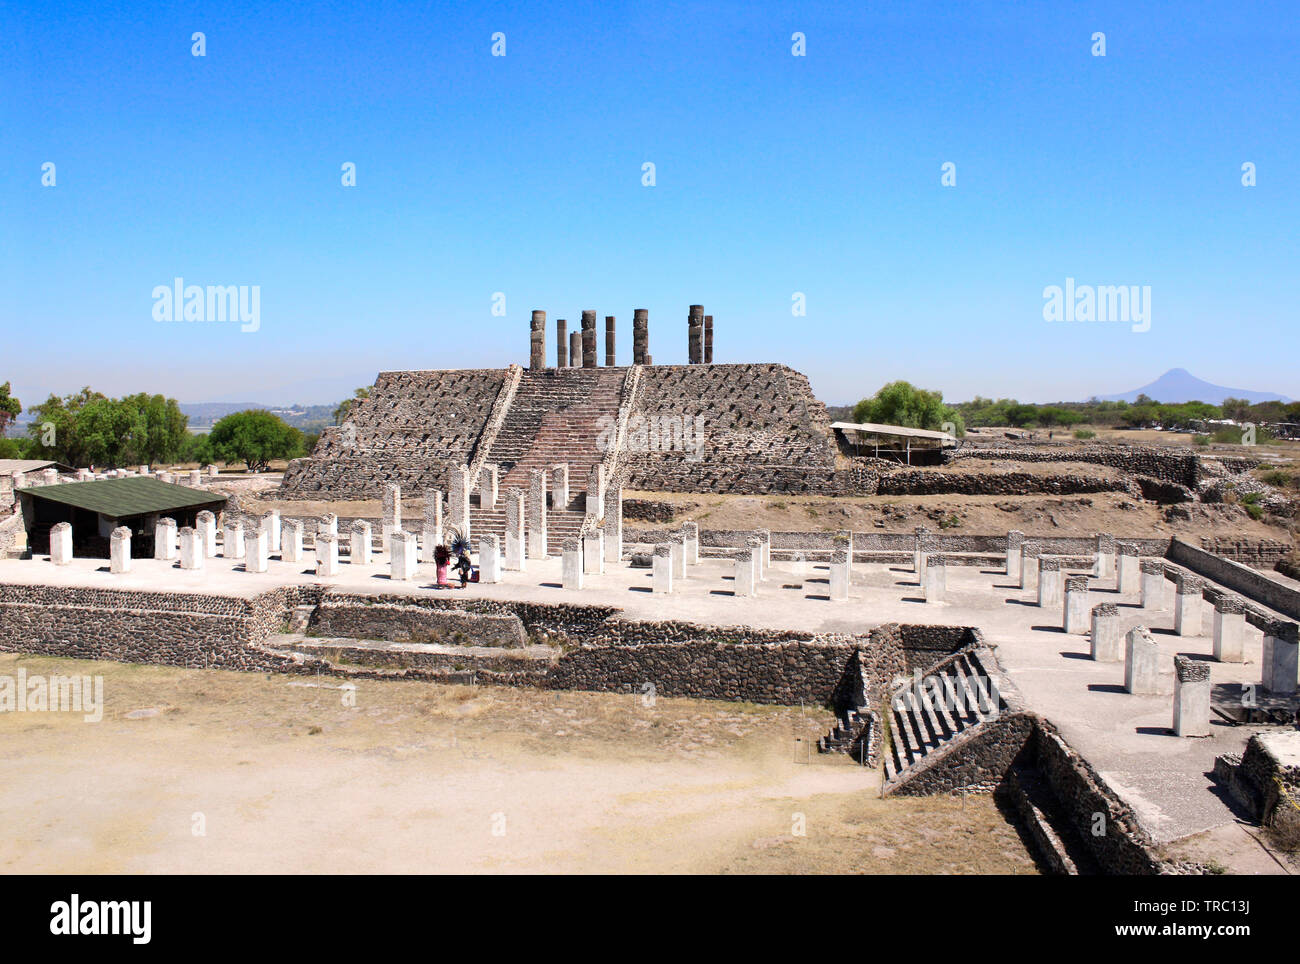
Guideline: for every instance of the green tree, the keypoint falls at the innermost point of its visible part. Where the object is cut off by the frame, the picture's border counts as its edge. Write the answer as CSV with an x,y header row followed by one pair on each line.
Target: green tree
x,y
56,428
10,408
901,403
254,437
344,408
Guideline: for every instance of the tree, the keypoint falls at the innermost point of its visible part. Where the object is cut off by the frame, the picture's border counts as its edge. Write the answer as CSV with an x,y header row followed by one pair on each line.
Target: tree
x,y
344,408
89,428
900,403
10,408
254,437
56,428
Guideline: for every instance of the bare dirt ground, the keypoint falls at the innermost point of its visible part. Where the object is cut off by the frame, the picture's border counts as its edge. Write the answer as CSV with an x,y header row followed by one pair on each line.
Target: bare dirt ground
x,y
280,776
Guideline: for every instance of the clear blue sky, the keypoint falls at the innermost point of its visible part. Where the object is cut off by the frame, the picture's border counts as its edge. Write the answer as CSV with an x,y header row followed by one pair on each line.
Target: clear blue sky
x,y
775,174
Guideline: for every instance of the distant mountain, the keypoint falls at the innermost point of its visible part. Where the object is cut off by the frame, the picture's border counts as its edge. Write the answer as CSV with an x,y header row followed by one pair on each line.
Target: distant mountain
x,y
1179,385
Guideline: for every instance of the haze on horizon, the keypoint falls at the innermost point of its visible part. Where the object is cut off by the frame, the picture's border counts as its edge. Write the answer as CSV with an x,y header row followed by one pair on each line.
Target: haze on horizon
x,y
774,175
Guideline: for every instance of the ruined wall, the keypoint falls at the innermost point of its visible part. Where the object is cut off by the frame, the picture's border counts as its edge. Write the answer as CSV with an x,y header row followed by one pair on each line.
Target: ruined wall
x,y
1136,460
363,619
1249,583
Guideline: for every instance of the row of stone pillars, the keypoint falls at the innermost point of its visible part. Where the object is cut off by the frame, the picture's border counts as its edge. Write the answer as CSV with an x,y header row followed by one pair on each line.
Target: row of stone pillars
x,y
578,348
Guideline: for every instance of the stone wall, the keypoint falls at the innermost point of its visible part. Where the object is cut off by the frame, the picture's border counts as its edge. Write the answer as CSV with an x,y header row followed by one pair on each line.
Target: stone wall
x,y
366,619
1161,465
1249,583
921,482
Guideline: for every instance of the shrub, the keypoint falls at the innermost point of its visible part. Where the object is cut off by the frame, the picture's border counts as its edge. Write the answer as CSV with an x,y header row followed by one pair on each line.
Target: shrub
x,y
1084,433
1201,440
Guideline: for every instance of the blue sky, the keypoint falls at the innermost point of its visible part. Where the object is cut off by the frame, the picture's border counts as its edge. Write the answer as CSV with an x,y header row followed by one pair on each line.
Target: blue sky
x,y
775,174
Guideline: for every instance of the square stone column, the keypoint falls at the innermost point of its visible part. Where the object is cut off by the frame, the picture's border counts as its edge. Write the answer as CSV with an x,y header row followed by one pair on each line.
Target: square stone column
x,y
119,546
1076,615
613,524
1187,604
1015,539
1129,578
560,485
936,578
232,539
1050,580
593,552
1104,567
329,522
1153,583
918,553
677,549
575,349
391,519
206,523
272,527
562,343
1229,628
402,556
458,499
327,554
1029,566
515,549
595,491
755,545
196,479
192,553
572,563
361,534
164,540
489,559
1141,663
432,524
487,487
765,537
1279,663
1191,697
257,555
691,534
291,541
744,582
537,514
1107,640
61,543
663,568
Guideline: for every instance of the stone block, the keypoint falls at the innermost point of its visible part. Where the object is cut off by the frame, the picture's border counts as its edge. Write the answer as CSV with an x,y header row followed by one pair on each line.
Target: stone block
x,y
516,551
164,540
1229,628
593,552
1129,578
744,580
1153,583
936,578
192,550
403,558
327,554
1191,697
257,554
272,527
1107,639
61,543
1188,605
1076,615
572,563
1050,582
206,523
232,539
1015,539
1141,663
663,568
291,542
360,544
119,546
1279,674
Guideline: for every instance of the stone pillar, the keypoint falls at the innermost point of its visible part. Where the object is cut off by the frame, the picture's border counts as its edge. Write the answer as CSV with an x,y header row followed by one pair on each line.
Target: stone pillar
x,y
291,541
213,471
402,556
1187,604
232,538
691,533
571,559
120,550
936,578
841,568
918,553
257,555
1050,579
489,559
1191,697
272,527
61,542
765,537
1106,636
1076,616
537,346
695,334
49,477
1141,663
1015,539
677,547
327,554
744,582
560,485
593,552
164,540
613,524
329,522
640,335
360,544
755,545
708,339
1104,566
392,515
487,487
515,551
562,344
663,568
609,341
192,552
1279,663
1153,583
575,349
1129,577
195,479
432,524
589,338
537,514
595,491
1229,628
458,499
1029,565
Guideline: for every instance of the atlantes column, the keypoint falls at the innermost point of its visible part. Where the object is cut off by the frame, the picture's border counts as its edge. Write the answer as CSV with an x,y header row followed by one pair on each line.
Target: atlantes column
x,y
640,335
589,338
561,344
695,334
537,353
609,341
708,339
575,349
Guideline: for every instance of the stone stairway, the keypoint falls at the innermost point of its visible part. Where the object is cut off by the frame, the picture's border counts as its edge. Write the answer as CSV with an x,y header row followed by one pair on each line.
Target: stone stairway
x,y
920,727
852,735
